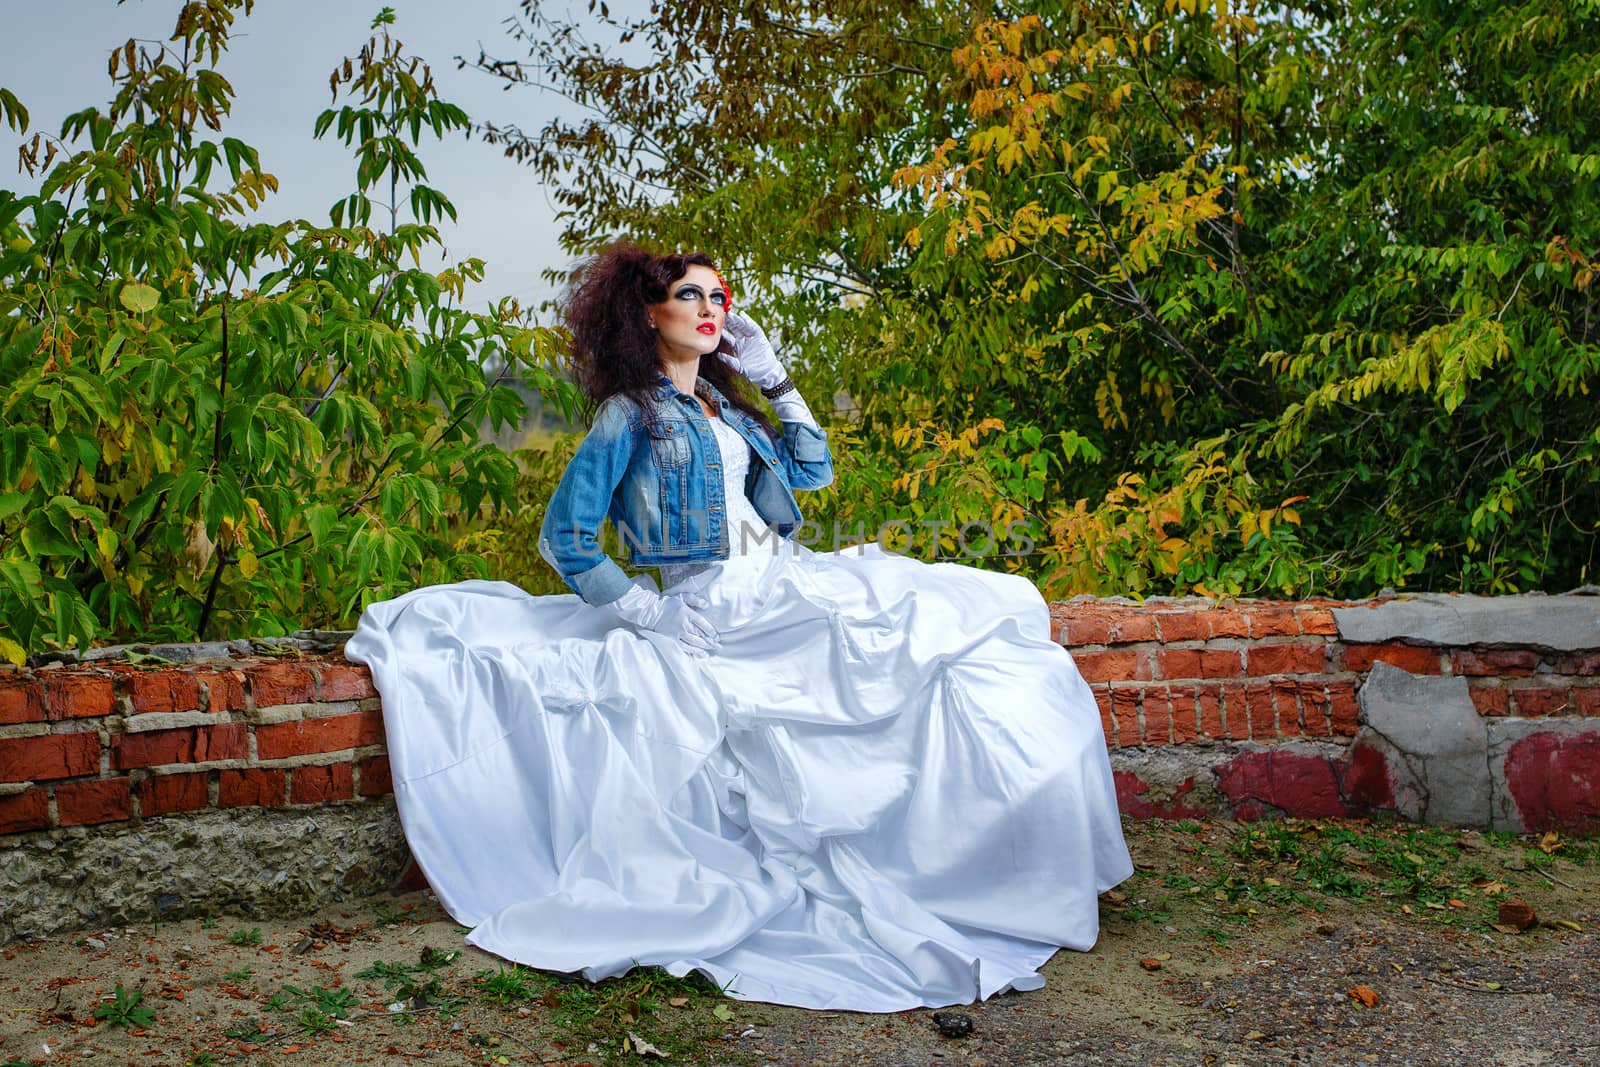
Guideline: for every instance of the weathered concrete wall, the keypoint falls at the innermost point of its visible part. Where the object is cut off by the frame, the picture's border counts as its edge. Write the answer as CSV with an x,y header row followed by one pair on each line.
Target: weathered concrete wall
x,y
254,777
248,861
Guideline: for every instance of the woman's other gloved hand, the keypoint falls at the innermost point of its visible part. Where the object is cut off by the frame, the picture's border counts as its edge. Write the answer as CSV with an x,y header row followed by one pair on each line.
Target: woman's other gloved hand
x,y
676,616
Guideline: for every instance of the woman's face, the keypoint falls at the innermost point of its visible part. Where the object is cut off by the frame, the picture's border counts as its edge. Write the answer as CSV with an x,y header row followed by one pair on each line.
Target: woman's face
x,y
689,321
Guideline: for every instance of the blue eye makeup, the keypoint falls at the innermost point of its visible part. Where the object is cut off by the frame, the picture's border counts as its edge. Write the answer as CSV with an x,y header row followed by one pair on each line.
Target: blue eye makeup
x,y
691,291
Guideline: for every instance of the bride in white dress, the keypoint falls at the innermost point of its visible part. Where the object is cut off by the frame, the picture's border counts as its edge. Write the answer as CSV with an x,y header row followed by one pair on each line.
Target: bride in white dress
x,y
845,780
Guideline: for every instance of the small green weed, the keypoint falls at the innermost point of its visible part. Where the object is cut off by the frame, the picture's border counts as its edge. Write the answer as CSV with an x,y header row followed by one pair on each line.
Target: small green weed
x,y
251,936
387,914
335,1003
1326,872
316,1022
517,983
418,982
126,1010
243,974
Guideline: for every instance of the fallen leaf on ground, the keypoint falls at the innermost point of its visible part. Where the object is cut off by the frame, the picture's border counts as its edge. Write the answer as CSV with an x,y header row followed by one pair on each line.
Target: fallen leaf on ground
x,y
677,1002
1365,995
1150,963
1567,923
1550,842
642,1047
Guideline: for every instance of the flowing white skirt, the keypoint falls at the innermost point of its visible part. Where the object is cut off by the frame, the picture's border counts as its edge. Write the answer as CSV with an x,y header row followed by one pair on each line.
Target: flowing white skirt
x,y
889,789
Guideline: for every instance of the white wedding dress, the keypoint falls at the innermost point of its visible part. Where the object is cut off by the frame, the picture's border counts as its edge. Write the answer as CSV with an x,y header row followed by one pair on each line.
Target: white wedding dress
x,y
888,789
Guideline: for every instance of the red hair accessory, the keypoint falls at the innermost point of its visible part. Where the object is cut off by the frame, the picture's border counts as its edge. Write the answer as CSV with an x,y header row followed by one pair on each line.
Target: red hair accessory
x,y
727,292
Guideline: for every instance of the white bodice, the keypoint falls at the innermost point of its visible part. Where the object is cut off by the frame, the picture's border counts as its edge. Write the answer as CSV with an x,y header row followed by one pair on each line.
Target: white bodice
x,y
747,530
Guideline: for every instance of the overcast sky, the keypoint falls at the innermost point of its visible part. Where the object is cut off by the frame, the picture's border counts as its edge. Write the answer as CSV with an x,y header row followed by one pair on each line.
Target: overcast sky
x,y
53,57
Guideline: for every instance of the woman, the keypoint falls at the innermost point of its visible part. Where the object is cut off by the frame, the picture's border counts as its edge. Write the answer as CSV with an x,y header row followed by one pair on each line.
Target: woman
x,y
843,780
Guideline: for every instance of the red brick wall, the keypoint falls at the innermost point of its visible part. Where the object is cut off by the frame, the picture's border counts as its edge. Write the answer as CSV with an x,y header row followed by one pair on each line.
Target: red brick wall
x,y
86,745
1269,672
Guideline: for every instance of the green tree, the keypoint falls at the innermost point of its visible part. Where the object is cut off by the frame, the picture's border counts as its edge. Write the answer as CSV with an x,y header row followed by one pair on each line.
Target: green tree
x,y
1218,296
217,425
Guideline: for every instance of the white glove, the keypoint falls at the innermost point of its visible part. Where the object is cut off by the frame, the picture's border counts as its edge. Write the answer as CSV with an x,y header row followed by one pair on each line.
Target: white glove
x,y
754,358
677,616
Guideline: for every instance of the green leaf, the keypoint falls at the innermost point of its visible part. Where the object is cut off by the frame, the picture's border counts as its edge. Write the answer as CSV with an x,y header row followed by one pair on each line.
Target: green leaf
x,y
320,518
139,298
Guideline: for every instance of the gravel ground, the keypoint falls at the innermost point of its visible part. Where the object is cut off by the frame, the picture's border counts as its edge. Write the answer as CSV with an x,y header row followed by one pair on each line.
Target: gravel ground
x,y
1299,944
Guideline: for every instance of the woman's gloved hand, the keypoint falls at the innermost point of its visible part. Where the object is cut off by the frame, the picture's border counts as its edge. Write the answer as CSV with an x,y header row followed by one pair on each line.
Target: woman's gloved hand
x,y
677,616
753,357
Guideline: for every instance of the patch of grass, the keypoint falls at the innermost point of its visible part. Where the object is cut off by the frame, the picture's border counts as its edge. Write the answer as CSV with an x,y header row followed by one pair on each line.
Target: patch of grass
x,y
126,1010
251,936
507,986
243,974
249,1031
666,1010
1141,910
315,1021
418,983
335,1003
1326,872
388,914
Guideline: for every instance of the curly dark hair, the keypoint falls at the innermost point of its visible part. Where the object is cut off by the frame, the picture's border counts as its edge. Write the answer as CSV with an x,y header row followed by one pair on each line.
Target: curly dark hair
x,y
613,347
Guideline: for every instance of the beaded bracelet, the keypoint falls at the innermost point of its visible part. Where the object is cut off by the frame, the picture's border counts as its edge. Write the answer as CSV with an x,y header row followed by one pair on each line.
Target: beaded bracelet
x,y
785,386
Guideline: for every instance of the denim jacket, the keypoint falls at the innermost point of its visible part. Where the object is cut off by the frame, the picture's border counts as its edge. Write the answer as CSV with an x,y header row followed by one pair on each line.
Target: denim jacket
x,y
656,472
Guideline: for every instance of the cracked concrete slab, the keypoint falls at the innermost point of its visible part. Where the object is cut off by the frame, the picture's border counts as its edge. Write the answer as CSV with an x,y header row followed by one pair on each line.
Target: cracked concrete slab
x,y
1560,623
1434,741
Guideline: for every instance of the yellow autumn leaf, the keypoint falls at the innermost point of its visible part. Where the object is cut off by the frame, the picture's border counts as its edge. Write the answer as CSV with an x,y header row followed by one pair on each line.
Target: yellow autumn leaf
x,y
12,651
248,564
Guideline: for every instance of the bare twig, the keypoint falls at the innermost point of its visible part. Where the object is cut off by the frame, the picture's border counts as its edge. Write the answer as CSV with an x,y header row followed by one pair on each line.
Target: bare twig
x,y
1541,872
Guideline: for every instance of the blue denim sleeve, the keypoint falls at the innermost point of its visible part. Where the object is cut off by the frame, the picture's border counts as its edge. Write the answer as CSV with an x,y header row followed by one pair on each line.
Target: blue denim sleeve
x,y
569,539
803,451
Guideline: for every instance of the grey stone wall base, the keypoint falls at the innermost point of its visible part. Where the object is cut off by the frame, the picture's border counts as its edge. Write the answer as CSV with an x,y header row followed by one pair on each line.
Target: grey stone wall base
x,y
1563,623
242,861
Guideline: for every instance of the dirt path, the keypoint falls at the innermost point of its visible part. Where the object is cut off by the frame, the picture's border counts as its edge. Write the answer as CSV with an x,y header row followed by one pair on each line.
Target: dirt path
x,y
1233,944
